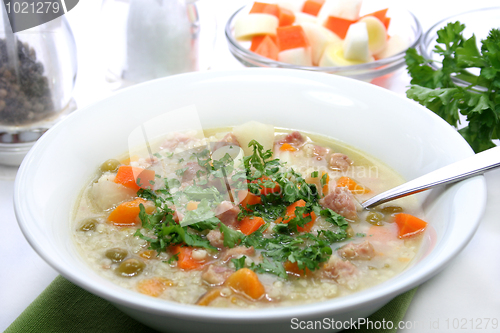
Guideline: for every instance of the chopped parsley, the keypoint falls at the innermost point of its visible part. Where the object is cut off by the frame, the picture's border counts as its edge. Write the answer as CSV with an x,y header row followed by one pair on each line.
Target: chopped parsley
x,y
261,175
239,263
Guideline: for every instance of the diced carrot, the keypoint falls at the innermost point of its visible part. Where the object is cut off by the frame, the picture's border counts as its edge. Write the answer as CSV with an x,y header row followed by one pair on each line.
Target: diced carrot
x,y
352,186
290,214
287,147
382,16
129,176
267,190
250,224
312,7
327,180
293,269
247,282
267,48
290,211
409,225
247,198
192,205
209,296
291,37
257,39
184,258
338,25
127,213
154,287
307,227
265,8
387,22
286,17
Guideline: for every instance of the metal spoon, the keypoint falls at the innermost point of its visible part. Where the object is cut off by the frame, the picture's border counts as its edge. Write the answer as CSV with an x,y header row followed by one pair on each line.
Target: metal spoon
x,y
472,166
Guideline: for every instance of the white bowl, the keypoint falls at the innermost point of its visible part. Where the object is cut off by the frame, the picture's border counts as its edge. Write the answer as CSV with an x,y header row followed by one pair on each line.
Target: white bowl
x,y
404,135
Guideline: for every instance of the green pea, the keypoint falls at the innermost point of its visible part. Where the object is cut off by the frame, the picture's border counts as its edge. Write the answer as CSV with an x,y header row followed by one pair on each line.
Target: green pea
x,y
116,254
375,218
391,209
130,267
110,165
88,224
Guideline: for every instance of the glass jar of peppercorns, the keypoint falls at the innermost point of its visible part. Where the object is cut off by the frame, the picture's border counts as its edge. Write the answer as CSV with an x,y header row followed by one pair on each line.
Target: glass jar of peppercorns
x,y
37,75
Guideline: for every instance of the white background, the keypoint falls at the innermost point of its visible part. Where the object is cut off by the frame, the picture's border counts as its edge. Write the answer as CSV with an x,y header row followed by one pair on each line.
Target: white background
x,y
468,289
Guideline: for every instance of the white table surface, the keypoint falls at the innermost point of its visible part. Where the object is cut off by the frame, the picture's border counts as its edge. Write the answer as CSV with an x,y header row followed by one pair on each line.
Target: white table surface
x,y
467,291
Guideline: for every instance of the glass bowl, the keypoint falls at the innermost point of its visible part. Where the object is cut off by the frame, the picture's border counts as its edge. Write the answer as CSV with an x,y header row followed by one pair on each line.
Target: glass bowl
x,y
478,22
403,24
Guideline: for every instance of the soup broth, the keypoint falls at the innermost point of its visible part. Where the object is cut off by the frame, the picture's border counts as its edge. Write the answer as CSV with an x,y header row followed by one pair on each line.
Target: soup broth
x,y
277,223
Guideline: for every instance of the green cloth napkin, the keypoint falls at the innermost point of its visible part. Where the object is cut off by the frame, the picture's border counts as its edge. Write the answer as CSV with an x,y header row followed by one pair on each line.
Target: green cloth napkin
x,y
64,307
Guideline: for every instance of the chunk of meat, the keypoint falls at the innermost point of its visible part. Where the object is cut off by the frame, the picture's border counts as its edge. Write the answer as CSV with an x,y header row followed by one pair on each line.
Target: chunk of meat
x,y
216,275
193,169
295,139
341,201
339,270
151,160
339,162
216,238
227,213
360,251
228,140
318,152
237,252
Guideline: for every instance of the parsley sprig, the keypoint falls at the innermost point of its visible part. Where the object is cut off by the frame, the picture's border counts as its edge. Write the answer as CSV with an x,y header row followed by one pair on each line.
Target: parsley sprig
x,y
478,98
284,244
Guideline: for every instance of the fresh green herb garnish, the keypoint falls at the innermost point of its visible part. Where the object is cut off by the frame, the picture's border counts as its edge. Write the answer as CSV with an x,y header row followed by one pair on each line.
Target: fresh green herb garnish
x,y
167,231
201,218
174,257
180,172
239,263
323,181
199,193
232,237
270,267
334,218
284,244
478,98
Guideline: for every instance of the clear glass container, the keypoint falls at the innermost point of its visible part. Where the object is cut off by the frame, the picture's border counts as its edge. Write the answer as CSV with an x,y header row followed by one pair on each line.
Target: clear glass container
x,y
477,22
37,74
150,39
403,24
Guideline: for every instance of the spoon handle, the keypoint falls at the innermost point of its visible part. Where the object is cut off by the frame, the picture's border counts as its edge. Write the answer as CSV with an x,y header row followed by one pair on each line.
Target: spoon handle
x,y
469,167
